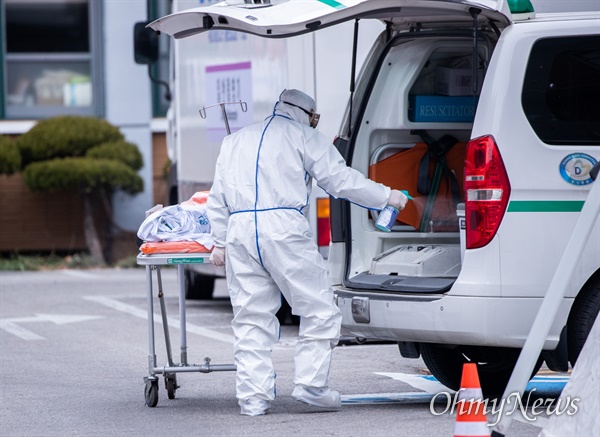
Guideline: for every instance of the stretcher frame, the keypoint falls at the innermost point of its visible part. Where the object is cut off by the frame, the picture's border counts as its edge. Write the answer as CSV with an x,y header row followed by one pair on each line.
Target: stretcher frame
x,y
169,372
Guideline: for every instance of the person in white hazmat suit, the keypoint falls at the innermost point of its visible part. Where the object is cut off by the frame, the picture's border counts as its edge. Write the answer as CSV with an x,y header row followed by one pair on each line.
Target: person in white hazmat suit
x,y
256,209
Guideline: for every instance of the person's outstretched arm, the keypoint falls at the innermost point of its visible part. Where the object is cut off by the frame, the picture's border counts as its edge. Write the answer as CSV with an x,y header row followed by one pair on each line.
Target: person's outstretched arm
x,y
324,163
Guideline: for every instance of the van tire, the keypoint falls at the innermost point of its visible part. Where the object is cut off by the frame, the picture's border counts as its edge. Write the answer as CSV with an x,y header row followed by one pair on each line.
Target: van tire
x,y
494,365
197,286
581,319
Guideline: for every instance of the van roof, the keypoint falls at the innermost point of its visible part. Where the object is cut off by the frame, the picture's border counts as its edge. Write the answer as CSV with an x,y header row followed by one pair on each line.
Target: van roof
x,y
562,16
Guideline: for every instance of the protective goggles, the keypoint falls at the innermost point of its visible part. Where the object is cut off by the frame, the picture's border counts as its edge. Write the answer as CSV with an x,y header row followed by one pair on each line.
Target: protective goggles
x,y
313,117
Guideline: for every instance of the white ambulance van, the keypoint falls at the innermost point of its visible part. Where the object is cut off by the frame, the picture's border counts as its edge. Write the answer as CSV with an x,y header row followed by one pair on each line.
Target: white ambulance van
x,y
488,113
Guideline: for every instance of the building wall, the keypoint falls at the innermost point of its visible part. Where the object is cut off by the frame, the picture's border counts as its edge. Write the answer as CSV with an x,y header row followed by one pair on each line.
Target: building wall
x,y
128,101
53,222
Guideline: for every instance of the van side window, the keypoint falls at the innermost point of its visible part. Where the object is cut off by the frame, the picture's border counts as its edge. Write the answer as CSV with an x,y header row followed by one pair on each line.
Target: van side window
x,y
561,92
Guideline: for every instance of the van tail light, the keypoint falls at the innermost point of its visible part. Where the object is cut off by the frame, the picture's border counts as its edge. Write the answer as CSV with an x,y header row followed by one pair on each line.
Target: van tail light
x,y
487,190
323,225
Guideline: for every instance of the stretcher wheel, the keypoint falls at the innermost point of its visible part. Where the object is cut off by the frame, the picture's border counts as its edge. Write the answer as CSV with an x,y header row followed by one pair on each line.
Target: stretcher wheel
x,y
151,393
171,386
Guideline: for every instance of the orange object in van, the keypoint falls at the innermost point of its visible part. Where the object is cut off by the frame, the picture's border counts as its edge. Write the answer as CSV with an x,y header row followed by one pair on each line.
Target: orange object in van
x,y
401,171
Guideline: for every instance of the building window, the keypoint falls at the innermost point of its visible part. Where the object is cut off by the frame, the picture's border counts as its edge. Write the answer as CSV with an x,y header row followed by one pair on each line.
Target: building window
x,y
562,90
51,59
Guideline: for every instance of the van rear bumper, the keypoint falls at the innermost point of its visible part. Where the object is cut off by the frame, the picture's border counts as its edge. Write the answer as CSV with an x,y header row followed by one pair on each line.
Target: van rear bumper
x,y
460,320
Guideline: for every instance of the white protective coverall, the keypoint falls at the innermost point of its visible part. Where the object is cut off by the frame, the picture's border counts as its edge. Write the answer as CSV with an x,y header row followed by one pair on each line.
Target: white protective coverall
x,y
256,208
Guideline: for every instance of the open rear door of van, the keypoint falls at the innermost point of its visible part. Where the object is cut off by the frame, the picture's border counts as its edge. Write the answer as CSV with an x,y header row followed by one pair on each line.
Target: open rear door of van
x,y
286,18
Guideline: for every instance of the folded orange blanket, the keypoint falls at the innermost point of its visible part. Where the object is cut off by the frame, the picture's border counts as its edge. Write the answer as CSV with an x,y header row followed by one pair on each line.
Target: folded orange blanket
x,y
173,247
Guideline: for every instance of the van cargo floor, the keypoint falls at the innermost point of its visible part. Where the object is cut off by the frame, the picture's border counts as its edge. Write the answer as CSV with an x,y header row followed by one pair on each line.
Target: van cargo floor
x,y
400,284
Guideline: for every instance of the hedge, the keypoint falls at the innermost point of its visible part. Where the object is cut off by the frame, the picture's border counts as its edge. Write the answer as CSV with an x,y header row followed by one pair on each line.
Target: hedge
x,y
64,136
122,151
10,157
82,175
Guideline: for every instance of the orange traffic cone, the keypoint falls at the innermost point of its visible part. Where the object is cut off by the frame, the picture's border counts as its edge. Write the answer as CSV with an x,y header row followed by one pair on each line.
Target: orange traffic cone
x,y
471,420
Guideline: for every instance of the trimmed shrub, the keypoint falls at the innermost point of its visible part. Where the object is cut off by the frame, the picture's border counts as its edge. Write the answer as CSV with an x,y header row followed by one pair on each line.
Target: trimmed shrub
x,y
82,175
64,136
122,151
10,157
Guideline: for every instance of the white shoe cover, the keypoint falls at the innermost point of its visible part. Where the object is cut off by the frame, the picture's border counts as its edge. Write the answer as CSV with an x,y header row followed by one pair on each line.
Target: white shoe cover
x,y
254,406
319,397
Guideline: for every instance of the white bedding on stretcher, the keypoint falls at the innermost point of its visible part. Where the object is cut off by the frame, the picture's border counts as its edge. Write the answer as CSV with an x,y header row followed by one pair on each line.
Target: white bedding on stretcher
x,y
185,222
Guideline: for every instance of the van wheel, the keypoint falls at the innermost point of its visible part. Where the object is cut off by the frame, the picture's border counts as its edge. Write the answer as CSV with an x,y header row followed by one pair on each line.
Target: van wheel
x,y
494,365
198,287
581,319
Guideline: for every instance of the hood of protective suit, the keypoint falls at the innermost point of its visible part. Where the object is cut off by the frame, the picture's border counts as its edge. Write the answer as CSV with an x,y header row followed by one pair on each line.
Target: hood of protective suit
x,y
296,114
296,105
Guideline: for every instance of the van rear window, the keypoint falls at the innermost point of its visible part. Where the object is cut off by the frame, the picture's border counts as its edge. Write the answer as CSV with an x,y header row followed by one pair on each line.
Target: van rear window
x,y
561,92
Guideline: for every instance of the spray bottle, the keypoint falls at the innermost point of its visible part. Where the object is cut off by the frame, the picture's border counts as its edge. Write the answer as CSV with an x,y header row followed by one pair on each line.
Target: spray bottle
x,y
388,216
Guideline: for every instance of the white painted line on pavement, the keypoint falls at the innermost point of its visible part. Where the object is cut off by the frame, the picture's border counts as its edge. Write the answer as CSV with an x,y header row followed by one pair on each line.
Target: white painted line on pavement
x,y
19,331
57,319
10,325
174,323
79,274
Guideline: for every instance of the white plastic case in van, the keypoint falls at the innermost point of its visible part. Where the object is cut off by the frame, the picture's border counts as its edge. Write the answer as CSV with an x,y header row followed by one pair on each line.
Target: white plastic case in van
x,y
498,175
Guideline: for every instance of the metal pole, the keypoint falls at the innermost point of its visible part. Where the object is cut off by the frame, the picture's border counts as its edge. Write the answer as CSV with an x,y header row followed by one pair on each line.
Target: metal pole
x,y
196,368
224,112
182,323
163,313
151,350
550,304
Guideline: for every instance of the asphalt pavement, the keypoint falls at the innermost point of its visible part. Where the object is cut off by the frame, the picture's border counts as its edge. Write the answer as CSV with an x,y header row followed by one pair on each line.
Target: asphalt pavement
x,y
74,352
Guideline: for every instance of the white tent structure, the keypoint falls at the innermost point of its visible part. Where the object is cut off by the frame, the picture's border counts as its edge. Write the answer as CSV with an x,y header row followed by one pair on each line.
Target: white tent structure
x,y
583,385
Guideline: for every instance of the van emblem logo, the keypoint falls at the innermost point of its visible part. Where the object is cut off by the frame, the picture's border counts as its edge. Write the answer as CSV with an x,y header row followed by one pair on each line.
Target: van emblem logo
x,y
575,168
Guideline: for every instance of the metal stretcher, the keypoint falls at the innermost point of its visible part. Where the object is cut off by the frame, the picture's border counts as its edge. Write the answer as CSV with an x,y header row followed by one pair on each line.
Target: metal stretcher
x,y
169,371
